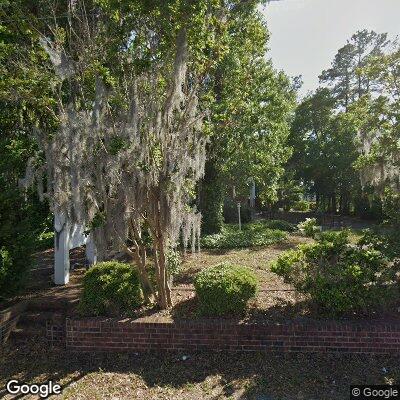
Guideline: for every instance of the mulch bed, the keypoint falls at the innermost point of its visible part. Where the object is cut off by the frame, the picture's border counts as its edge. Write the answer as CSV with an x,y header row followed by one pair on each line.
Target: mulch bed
x,y
275,302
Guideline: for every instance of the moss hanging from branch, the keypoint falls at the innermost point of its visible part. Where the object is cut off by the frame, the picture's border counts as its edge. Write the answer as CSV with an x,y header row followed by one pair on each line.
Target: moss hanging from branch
x,y
127,154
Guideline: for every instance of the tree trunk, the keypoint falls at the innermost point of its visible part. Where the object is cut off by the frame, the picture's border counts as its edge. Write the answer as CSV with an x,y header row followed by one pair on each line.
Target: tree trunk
x,y
211,202
344,207
140,260
212,188
139,257
333,203
164,290
160,249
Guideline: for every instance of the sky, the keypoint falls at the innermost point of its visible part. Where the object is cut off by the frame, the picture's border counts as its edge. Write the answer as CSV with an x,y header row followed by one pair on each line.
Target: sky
x,y
306,34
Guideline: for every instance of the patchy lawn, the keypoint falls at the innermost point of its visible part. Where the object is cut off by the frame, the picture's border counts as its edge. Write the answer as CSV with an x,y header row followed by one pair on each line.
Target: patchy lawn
x,y
202,376
275,302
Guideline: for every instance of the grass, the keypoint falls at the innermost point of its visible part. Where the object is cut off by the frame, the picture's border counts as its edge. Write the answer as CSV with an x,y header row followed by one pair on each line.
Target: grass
x,y
251,235
206,375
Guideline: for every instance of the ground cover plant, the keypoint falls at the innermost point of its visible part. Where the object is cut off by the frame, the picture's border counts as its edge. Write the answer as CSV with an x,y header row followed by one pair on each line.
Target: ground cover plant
x,y
225,289
252,234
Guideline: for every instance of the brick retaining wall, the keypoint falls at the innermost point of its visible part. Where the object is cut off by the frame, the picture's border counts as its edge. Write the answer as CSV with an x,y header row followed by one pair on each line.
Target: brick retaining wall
x,y
129,335
56,330
9,319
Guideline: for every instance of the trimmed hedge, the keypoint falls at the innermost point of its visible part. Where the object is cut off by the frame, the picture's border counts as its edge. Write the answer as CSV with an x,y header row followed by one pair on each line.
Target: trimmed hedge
x,y
225,289
110,288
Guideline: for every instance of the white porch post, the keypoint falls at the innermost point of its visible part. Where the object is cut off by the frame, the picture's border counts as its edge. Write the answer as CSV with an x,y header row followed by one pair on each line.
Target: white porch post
x,y
91,251
67,237
61,249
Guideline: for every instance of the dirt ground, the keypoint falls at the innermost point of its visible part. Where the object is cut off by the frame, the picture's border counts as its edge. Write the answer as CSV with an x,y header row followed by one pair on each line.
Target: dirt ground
x,y
206,375
275,298
276,301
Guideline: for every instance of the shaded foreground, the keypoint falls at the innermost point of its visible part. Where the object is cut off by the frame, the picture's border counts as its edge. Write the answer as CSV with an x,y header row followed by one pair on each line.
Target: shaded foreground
x,y
201,376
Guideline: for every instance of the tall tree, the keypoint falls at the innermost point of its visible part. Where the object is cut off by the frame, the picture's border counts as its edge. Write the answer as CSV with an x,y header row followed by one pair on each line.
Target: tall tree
x,y
325,129
324,151
250,117
131,93
344,79
378,122
25,100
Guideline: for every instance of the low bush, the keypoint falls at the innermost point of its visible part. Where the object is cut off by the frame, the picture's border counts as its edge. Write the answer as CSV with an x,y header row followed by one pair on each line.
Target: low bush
x,y
384,239
254,234
340,277
174,262
225,289
15,262
309,227
302,205
110,288
44,241
20,227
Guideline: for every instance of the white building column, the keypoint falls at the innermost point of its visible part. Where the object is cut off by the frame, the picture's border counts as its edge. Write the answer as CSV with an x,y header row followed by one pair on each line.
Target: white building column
x,y
61,249
91,251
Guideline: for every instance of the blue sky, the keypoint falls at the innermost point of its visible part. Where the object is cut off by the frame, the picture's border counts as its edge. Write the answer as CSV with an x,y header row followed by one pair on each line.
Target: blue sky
x,y
305,34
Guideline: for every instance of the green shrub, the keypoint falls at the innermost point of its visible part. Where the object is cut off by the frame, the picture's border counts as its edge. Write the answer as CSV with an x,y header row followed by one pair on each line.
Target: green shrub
x,y
368,206
391,208
301,205
225,289
339,277
174,267
254,234
309,227
384,239
110,288
20,227
6,263
44,241
174,262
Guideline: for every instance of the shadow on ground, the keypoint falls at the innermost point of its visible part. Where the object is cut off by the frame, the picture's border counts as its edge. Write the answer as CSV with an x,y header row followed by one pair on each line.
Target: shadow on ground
x,y
207,375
